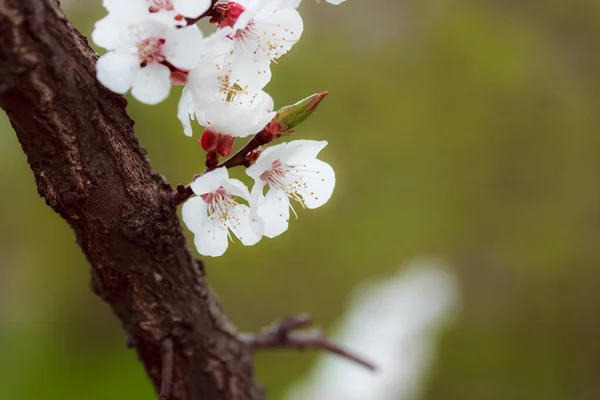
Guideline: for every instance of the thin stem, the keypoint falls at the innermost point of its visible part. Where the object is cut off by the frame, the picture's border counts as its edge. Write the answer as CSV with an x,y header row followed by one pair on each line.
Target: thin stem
x,y
207,13
282,335
263,137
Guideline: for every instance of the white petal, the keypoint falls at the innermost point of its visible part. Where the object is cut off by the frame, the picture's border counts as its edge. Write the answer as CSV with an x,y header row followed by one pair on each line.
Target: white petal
x,y
275,212
279,32
210,181
212,240
265,160
112,32
336,2
247,69
117,71
248,229
301,151
320,184
182,47
152,84
191,8
127,8
237,188
157,25
244,116
256,197
194,214
289,3
183,111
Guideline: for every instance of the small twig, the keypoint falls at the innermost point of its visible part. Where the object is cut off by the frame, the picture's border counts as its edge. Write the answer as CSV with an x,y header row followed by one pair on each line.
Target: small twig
x,y
281,335
192,21
167,369
263,137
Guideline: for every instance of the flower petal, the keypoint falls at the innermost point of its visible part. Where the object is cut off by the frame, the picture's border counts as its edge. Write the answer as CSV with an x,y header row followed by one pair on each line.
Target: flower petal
x,y
152,84
112,32
183,111
279,32
265,160
210,181
248,229
191,8
245,116
275,212
301,151
319,183
236,188
182,47
117,71
127,8
212,240
194,213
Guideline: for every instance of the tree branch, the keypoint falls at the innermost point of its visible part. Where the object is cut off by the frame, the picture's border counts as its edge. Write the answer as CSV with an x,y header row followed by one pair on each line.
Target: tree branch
x,y
282,335
91,170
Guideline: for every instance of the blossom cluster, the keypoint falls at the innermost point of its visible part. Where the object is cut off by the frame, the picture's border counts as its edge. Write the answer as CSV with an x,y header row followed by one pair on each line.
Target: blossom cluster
x,y
155,44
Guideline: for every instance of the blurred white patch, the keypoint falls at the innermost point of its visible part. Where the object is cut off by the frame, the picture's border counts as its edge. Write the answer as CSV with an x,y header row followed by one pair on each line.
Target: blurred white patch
x,y
393,322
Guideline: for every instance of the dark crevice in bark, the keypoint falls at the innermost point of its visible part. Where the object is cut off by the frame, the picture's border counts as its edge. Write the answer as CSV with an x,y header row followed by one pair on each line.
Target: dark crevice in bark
x,y
91,170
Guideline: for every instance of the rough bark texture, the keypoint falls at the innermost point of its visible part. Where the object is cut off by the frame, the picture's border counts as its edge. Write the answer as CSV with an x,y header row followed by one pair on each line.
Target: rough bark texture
x,y
90,168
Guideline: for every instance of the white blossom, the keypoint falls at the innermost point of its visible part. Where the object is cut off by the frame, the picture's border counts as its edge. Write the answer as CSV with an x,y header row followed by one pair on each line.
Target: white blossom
x,y
289,171
215,213
176,9
213,98
139,52
252,33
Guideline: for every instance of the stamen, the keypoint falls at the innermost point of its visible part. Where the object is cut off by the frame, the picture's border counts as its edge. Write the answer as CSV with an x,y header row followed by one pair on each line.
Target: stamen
x,y
290,180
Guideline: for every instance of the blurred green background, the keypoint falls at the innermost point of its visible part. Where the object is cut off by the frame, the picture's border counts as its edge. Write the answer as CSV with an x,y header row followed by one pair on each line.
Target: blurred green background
x,y
465,129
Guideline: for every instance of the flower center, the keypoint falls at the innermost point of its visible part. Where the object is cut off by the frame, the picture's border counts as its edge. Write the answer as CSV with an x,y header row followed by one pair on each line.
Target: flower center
x,y
218,196
286,179
150,50
158,5
221,206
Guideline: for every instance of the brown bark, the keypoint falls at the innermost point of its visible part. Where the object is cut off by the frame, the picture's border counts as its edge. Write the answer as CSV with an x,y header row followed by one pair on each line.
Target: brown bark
x,y
90,168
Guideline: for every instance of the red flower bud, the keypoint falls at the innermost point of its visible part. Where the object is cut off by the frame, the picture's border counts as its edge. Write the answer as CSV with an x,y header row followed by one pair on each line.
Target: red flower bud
x,y
209,139
225,145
